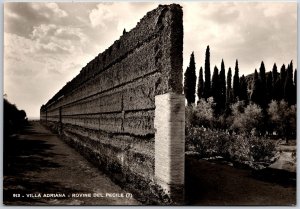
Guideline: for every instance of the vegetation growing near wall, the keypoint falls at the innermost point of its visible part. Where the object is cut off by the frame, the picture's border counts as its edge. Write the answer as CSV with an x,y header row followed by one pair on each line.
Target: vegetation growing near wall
x,y
233,147
240,136
260,104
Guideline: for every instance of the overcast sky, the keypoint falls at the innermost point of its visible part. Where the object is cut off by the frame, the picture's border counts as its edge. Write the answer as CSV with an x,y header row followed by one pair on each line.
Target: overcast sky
x,y
47,44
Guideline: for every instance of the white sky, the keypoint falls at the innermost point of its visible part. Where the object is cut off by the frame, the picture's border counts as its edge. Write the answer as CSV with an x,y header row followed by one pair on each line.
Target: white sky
x,y
47,44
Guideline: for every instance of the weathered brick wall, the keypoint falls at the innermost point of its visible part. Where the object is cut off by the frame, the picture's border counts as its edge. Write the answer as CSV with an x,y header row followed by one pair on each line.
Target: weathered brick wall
x,y
107,111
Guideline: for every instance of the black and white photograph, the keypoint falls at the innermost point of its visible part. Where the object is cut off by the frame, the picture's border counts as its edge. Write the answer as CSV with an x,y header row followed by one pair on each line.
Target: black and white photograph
x,y
114,103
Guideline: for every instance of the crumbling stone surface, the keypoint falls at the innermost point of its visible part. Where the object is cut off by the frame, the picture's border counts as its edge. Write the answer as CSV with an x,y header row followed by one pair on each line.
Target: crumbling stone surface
x,y
107,111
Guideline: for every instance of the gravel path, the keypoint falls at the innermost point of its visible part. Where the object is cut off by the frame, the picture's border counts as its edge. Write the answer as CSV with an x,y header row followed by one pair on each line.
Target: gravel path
x,y
40,169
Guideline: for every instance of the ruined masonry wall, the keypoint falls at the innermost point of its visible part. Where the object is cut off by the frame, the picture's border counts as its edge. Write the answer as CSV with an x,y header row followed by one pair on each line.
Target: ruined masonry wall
x,y
107,111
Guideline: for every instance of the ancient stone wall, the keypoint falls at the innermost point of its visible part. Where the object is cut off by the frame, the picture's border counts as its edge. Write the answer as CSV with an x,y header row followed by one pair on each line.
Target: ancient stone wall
x,y
107,112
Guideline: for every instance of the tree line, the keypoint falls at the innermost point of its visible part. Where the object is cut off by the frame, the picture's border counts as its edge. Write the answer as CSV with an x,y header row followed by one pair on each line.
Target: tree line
x,y
260,103
264,87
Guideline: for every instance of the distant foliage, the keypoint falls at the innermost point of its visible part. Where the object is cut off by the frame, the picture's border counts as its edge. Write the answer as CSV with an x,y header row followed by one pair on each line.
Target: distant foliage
x,y
14,119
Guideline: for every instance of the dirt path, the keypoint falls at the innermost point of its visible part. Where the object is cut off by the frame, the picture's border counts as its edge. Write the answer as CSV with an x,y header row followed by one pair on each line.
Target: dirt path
x,y
37,162
209,183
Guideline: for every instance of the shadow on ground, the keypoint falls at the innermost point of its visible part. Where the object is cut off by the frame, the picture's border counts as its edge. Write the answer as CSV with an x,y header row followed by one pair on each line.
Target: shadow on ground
x,y
38,163
209,183
23,155
26,153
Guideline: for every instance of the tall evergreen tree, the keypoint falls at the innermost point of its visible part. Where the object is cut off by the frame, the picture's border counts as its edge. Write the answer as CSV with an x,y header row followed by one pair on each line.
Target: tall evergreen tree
x,y
200,89
222,87
269,87
215,84
262,72
295,84
207,84
295,77
236,82
215,89
289,86
229,88
281,82
274,74
262,75
275,83
255,95
190,81
283,72
243,90
186,84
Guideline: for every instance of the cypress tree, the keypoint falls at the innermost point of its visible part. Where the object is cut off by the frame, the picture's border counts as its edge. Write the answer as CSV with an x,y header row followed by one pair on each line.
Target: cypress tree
x,y
186,84
275,83
269,87
274,74
215,84
215,89
222,87
295,86
262,74
289,86
255,95
207,85
229,88
190,81
295,77
282,72
243,90
200,89
281,82
236,82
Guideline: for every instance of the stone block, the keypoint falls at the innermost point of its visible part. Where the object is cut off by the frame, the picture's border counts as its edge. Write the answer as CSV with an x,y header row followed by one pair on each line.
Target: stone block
x,y
139,123
140,94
